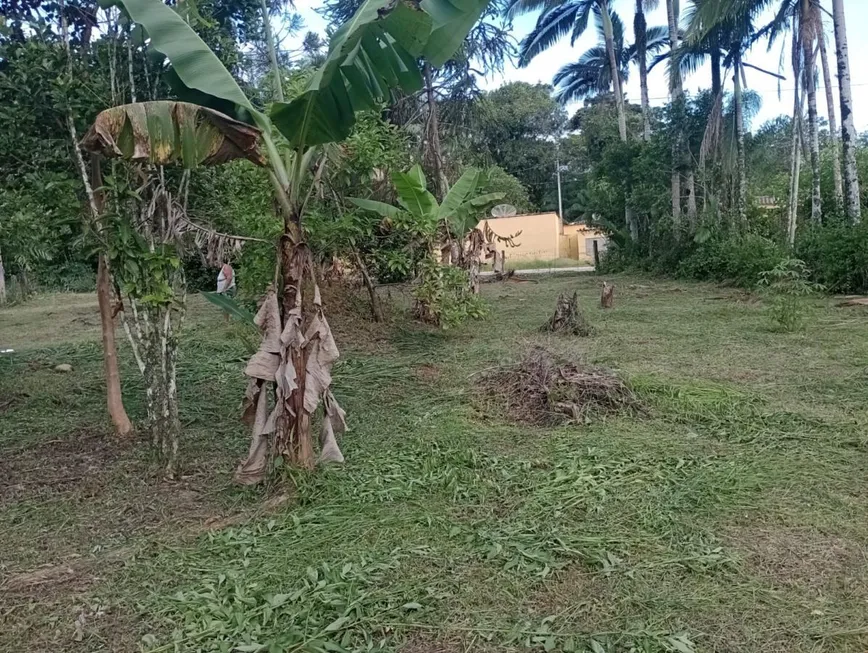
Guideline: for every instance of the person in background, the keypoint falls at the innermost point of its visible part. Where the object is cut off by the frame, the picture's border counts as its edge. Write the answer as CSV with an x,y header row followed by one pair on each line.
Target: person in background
x,y
226,281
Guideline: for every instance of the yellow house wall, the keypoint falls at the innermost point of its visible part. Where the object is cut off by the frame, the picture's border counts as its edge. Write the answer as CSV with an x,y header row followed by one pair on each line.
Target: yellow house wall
x,y
573,241
540,238
544,237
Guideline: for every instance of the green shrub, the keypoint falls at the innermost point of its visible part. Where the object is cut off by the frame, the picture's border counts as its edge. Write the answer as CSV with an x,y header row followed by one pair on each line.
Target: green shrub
x,y
786,286
838,256
738,260
443,295
68,276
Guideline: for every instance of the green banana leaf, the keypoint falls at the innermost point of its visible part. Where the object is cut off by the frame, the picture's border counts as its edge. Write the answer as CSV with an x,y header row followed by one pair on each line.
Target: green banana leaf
x,y
229,305
197,75
370,56
386,210
459,193
452,21
413,195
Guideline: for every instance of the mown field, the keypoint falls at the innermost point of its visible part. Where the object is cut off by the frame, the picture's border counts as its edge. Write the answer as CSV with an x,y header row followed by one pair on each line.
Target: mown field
x,y
732,517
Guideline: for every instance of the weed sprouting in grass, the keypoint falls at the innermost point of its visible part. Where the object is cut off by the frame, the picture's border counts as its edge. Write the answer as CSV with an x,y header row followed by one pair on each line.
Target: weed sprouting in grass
x,y
786,286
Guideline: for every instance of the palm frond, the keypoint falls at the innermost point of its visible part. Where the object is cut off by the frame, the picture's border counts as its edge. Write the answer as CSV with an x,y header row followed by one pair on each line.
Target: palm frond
x,y
778,26
656,38
551,27
582,18
520,7
576,81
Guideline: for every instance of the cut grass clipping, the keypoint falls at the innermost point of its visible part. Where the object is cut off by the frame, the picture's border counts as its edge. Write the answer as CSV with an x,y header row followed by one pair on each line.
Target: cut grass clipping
x,y
545,390
568,318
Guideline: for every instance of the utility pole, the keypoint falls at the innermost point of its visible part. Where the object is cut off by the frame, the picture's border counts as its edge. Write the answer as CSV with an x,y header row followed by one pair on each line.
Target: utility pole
x,y
559,168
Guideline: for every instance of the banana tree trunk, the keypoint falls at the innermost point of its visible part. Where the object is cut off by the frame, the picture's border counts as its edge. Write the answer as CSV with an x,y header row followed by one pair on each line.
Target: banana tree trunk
x,y
640,30
741,172
293,437
433,149
848,127
608,32
833,123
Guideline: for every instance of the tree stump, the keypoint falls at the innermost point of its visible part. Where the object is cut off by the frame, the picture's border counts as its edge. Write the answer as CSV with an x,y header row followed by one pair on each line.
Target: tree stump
x,y
607,296
568,318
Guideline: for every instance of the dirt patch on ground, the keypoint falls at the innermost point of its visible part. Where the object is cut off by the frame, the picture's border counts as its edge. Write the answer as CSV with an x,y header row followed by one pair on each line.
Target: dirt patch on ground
x,y
427,373
78,461
801,558
348,309
582,599
433,642
544,390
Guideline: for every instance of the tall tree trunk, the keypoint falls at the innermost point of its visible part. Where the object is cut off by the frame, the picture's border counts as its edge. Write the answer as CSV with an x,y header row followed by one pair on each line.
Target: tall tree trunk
x,y
608,33
2,281
690,178
716,82
795,169
833,123
130,68
376,307
110,355
114,399
272,52
848,127
741,172
640,31
813,127
433,153
676,92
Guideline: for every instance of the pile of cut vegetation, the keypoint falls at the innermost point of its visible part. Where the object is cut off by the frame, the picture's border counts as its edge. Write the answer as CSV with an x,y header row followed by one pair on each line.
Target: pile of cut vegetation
x,y
543,389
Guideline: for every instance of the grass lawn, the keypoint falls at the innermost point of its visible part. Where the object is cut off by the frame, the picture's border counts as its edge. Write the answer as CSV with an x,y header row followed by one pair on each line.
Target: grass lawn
x,y
732,518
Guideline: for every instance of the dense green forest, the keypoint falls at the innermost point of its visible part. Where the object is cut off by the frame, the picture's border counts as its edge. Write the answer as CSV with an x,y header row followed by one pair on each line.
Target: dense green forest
x,y
682,189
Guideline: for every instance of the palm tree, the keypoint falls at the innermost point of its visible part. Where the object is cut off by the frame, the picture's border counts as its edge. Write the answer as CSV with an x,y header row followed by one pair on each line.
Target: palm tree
x,y
833,123
848,128
676,92
810,25
591,75
640,32
729,25
562,17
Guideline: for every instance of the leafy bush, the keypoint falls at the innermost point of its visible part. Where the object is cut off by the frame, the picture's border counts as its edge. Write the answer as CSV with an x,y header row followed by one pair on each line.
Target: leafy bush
x,y
498,180
68,276
838,256
443,296
736,259
787,285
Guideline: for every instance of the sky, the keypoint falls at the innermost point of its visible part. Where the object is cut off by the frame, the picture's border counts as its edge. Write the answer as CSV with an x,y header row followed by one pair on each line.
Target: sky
x,y
544,65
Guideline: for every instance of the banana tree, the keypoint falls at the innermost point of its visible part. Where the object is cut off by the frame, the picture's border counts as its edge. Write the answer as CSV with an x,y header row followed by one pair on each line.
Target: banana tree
x,y
452,225
371,56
